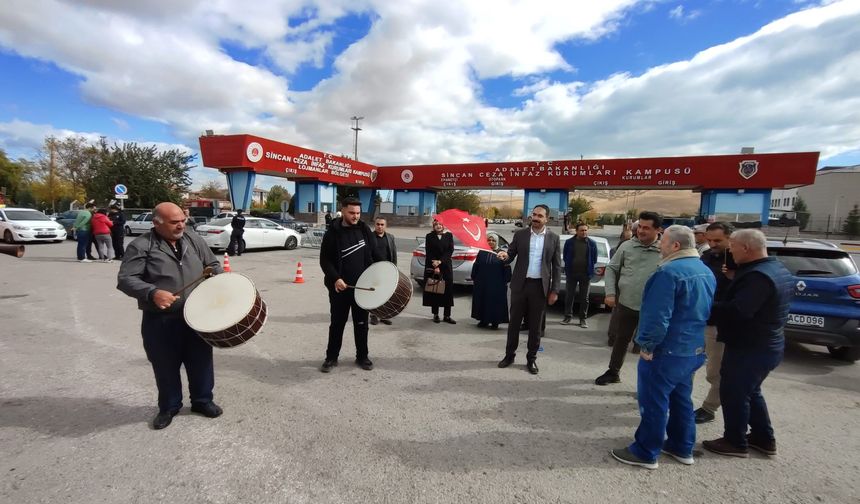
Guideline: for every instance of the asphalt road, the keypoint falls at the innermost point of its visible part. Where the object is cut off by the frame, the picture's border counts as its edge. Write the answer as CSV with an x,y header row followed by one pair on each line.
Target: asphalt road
x,y
436,421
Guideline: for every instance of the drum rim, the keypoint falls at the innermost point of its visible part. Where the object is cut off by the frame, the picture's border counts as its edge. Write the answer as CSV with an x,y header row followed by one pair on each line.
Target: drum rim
x,y
210,331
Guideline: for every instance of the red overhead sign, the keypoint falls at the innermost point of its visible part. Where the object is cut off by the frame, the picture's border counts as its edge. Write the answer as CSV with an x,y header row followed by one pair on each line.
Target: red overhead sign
x,y
734,171
268,157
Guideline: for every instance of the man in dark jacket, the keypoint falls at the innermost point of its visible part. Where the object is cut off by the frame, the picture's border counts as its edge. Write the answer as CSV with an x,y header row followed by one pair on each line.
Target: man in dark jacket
x,y
580,256
237,245
117,231
750,321
715,258
157,264
347,250
386,249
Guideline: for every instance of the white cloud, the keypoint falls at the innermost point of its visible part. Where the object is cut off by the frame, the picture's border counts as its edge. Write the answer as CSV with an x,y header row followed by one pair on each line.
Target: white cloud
x,y
417,77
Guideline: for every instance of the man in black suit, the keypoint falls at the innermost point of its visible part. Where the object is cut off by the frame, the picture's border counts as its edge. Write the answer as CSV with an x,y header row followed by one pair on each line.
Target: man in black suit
x,y
534,283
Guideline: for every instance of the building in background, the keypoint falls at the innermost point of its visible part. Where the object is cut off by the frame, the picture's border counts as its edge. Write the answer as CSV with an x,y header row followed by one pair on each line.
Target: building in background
x,y
835,192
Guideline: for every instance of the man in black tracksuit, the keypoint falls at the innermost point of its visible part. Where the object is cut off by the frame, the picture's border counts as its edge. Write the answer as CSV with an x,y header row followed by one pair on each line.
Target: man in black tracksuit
x,y
117,231
348,248
237,245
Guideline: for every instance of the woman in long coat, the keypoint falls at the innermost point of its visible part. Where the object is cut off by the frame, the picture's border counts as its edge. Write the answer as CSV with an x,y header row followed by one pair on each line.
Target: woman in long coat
x,y
490,291
439,247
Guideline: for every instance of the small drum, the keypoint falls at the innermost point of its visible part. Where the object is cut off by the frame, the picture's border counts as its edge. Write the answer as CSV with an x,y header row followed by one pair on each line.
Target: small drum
x,y
226,310
392,290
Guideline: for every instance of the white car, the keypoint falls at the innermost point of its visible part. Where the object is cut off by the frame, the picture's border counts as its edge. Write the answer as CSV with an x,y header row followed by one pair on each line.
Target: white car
x,y
259,233
25,224
139,225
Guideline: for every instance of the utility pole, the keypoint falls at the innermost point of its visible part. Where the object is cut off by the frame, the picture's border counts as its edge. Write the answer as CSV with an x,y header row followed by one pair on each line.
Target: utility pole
x,y
51,174
355,128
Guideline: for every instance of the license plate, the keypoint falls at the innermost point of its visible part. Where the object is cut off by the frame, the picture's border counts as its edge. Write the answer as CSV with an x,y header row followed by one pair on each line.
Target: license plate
x,y
47,233
805,320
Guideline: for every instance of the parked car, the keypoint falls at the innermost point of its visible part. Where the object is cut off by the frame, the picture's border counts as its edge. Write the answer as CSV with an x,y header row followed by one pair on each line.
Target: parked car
x,y
259,233
26,224
462,259
597,290
288,221
67,220
139,224
825,309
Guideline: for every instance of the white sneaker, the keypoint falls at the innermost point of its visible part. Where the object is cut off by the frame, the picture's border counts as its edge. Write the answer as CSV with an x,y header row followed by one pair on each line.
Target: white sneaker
x,y
684,460
84,260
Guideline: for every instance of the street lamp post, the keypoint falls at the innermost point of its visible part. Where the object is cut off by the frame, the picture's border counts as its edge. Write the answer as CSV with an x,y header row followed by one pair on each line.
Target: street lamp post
x,y
355,128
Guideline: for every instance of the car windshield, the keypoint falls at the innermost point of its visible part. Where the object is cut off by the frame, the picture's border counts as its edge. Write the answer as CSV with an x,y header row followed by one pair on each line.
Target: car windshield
x,y
815,263
31,215
219,222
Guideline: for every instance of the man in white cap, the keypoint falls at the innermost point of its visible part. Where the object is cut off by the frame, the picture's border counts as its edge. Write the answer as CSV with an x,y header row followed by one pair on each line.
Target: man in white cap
x,y
701,240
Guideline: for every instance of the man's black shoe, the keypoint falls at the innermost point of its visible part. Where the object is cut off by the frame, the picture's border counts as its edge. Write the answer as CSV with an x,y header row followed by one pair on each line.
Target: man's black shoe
x,y
703,416
494,326
766,446
532,367
163,419
607,378
449,320
566,320
374,320
207,409
507,361
436,319
482,324
364,364
385,321
327,365
583,324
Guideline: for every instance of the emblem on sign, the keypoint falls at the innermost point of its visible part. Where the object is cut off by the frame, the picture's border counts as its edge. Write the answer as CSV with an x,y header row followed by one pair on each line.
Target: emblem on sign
x,y
801,286
748,169
373,174
407,176
254,151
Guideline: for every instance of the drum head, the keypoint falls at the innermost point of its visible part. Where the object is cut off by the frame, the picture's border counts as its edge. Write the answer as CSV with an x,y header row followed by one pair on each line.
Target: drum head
x,y
382,276
220,302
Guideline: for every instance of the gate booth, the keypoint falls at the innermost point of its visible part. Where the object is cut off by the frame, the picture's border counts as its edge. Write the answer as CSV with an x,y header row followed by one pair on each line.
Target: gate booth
x,y
732,185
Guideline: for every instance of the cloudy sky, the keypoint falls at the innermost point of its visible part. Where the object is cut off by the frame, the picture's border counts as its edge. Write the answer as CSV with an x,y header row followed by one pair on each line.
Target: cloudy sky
x,y
438,80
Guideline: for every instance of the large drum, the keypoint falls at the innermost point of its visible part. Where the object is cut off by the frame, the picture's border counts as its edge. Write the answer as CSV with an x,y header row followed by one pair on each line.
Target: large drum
x,y
391,292
226,310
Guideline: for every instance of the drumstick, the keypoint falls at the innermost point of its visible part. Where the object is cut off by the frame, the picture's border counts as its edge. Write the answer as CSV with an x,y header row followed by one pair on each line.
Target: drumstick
x,y
361,288
207,272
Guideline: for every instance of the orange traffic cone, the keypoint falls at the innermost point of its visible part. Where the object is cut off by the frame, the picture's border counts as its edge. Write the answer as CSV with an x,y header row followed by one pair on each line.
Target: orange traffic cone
x,y
227,268
299,277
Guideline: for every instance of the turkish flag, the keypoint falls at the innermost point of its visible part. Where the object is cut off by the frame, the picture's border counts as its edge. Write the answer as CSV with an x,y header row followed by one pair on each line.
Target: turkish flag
x,y
470,229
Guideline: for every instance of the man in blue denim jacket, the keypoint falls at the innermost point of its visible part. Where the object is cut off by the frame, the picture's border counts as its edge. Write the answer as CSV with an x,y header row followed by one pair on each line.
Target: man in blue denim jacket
x,y
676,305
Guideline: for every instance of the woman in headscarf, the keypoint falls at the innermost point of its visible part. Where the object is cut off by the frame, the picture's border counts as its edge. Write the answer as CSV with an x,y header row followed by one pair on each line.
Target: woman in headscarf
x,y
439,246
490,291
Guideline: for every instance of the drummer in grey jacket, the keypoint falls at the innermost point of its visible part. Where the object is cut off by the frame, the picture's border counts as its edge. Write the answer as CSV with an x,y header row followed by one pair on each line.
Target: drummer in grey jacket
x,y
386,250
155,265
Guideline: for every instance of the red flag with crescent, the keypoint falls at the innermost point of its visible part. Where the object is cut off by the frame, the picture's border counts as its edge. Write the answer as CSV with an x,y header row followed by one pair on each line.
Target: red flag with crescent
x,y
470,229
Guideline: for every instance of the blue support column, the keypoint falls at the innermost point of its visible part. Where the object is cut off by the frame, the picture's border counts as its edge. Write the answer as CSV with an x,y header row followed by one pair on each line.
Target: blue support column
x,y
240,185
308,197
368,203
556,200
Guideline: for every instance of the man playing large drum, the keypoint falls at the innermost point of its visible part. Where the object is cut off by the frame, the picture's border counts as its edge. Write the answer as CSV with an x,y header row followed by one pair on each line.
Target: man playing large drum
x,y
154,267
347,249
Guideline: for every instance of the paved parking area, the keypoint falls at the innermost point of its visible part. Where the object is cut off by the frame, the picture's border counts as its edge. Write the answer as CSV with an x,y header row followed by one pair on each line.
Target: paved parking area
x,y
436,421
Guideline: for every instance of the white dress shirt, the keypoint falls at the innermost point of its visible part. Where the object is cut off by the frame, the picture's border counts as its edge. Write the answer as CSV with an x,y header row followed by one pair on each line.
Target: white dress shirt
x,y
536,253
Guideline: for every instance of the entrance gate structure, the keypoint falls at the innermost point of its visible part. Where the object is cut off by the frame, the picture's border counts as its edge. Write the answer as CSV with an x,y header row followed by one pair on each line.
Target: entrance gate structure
x,y
729,184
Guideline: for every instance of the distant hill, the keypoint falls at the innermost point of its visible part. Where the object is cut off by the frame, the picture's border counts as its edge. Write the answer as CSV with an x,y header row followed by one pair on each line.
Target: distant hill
x,y
667,202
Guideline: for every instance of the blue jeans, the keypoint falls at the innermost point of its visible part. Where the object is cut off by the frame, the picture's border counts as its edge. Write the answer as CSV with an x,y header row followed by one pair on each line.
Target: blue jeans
x,y
741,375
667,421
83,238
170,343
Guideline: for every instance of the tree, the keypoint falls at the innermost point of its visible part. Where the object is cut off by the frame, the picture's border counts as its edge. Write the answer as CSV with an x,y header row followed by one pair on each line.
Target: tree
x,y
465,200
13,176
802,211
579,206
213,190
633,213
276,195
151,176
852,223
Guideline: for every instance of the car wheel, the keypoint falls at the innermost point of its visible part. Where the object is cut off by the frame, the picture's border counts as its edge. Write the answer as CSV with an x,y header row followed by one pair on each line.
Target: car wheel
x,y
291,243
846,353
128,231
7,237
73,235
